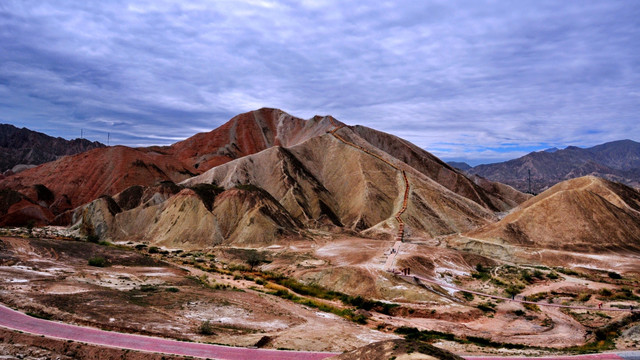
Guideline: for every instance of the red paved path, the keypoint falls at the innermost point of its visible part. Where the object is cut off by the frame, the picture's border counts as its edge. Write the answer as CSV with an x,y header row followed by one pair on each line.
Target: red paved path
x,y
606,356
15,320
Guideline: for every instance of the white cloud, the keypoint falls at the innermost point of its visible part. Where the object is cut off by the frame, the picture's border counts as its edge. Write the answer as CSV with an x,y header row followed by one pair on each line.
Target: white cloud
x,y
477,75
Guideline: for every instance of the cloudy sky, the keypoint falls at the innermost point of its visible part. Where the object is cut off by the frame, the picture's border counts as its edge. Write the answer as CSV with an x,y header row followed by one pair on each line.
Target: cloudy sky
x,y
467,80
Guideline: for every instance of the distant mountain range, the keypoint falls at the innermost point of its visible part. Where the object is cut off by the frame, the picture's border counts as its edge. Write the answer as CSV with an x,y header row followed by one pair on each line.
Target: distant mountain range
x,y
27,147
616,161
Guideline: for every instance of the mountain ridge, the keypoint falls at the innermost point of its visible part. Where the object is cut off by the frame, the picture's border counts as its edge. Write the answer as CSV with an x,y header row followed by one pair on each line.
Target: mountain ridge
x,y
22,146
616,161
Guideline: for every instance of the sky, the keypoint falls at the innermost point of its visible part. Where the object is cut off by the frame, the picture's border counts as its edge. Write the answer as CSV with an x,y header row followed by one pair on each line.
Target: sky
x,y
475,81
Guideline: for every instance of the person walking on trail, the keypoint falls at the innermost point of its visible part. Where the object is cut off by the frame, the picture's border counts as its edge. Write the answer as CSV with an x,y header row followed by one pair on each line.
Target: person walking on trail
x,y
600,305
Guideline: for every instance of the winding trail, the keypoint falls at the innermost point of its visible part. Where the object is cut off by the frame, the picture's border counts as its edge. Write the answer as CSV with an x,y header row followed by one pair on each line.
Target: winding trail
x,y
405,200
418,279
15,320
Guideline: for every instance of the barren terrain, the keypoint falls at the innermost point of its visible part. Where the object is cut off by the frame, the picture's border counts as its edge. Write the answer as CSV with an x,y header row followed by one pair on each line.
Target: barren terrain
x,y
171,293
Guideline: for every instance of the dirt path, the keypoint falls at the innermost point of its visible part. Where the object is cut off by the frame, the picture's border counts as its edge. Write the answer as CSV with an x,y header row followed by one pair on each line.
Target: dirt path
x,y
405,198
18,321
413,278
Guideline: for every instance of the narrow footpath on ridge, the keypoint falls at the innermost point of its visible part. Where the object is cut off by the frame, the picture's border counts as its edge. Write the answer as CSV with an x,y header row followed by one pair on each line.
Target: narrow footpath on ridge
x,y
400,232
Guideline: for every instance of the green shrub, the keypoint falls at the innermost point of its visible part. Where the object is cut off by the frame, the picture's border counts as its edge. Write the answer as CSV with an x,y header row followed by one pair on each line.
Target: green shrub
x,y
526,276
148,288
154,250
538,274
93,238
98,261
206,328
614,275
553,275
605,292
513,290
467,296
172,289
487,307
583,297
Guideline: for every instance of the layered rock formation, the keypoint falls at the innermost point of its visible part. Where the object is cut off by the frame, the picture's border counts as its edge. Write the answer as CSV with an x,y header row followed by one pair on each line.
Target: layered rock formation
x,y
586,214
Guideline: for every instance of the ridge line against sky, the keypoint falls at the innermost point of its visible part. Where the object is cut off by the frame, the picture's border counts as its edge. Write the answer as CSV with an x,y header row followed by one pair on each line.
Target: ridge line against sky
x,y
474,81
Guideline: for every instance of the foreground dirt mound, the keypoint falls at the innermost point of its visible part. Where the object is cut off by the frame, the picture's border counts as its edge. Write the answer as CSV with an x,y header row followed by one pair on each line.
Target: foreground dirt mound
x,y
585,214
398,350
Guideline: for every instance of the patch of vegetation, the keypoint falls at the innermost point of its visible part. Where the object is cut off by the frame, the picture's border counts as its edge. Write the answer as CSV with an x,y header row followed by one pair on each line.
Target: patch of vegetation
x,y
583,297
605,336
625,293
317,291
514,289
172,289
40,315
154,250
148,288
570,272
412,333
531,307
467,296
98,261
605,292
487,307
255,258
345,313
93,238
614,275
481,273
553,275
206,328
